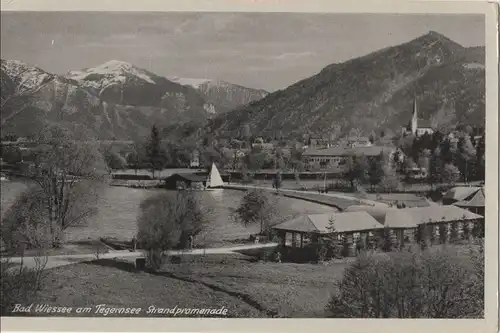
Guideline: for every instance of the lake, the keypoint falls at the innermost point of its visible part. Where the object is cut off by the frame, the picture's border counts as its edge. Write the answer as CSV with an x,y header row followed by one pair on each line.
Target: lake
x,y
119,207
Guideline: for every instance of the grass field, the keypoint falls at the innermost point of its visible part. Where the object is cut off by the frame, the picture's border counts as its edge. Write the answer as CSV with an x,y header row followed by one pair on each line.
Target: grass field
x,y
245,288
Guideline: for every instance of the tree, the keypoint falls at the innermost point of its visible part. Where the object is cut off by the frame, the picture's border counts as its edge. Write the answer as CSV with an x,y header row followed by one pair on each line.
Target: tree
x,y
376,171
480,160
450,174
167,221
24,225
390,181
436,167
68,170
417,284
277,181
356,169
20,284
256,207
114,160
467,155
246,133
424,159
154,152
133,161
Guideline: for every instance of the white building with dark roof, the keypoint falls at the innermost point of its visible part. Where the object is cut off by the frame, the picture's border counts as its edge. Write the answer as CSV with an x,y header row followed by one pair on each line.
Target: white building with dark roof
x,y
335,158
416,126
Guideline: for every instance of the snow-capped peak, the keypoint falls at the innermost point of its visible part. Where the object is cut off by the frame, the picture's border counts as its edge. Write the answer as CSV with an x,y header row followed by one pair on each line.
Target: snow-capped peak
x,y
193,82
110,72
27,77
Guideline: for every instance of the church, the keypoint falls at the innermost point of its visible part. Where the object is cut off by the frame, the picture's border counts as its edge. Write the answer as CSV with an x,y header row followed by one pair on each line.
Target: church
x,y
417,126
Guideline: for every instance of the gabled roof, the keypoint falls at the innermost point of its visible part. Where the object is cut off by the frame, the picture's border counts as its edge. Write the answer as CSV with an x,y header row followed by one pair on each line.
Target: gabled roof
x,y
189,176
476,199
320,223
412,217
460,192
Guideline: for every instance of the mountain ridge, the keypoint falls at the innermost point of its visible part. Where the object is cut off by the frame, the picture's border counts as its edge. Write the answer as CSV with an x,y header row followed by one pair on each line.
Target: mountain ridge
x,y
115,99
372,92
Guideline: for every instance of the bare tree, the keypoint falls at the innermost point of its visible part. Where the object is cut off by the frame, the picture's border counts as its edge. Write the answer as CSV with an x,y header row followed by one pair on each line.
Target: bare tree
x,y
68,171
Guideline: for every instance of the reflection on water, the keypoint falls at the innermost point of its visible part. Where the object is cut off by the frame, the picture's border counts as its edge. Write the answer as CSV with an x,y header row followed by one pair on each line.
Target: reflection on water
x,y
119,208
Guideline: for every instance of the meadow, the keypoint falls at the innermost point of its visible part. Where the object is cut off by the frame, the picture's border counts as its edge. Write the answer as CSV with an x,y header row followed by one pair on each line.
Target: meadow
x,y
245,287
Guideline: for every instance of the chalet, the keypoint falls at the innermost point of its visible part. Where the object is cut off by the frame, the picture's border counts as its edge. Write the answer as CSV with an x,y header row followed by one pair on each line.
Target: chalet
x,y
179,181
416,126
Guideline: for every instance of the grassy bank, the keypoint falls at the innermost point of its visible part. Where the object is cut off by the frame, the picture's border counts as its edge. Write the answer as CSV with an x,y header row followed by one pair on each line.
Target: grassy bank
x,y
245,288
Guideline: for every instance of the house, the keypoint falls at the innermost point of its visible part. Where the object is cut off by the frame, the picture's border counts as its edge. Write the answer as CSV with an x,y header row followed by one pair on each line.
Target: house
x,y
458,193
474,202
195,159
416,126
179,181
335,158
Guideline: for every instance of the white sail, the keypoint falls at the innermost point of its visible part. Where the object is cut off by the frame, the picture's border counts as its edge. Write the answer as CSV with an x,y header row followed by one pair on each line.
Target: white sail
x,y
214,179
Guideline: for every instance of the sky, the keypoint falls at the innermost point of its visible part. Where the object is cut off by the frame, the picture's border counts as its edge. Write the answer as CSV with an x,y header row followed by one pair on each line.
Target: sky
x,y
260,50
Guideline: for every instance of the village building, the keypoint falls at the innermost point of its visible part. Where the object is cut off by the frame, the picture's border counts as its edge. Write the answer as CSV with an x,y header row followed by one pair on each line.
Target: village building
x,y
416,126
306,229
404,226
180,181
474,202
356,141
335,158
459,193
195,159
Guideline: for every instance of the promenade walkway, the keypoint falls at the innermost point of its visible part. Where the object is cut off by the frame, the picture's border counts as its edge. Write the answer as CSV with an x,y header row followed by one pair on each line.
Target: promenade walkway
x,y
338,200
63,260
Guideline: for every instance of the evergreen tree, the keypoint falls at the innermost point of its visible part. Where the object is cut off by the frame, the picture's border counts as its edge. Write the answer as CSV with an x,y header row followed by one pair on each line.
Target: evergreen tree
x,y
466,157
376,171
153,150
480,159
435,167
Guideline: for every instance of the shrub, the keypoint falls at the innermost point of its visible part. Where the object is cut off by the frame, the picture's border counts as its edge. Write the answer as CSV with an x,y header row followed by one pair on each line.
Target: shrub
x,y
417,284
19,285
26,225
166,221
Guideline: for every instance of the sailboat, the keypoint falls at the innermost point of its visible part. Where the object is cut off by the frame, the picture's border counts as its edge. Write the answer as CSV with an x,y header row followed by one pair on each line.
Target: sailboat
x,y
214,181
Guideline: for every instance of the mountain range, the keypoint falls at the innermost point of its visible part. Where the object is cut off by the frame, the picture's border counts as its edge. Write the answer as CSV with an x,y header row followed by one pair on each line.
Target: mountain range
x,y
227,96
115,99
374,92
370,93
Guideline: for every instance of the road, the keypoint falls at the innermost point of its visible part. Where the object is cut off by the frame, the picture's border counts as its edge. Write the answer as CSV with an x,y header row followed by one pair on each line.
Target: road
x,y
63,260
